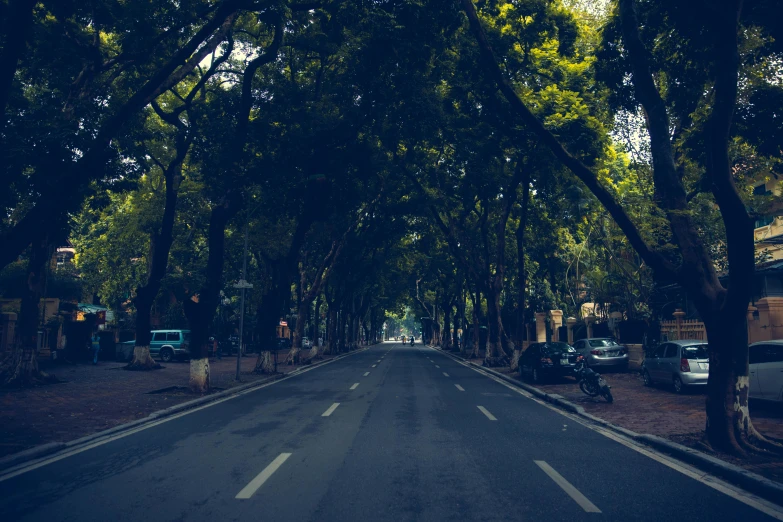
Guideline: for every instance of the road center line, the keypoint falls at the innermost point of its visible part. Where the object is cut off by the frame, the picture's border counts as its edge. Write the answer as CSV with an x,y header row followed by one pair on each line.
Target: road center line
x,y
354,386
574,493
445,374
330,410
436,366
460,388
374,365
483,410
366,374
262,477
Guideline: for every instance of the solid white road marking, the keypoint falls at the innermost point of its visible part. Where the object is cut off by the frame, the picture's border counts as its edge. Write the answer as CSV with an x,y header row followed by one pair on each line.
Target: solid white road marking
x,y
445,374
483,410
262,477
366,374
574,493
330,410
354,386
460,388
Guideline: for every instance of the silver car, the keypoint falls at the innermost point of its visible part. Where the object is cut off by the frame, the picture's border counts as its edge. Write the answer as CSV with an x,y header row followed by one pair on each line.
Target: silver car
x,y
680,363
602,351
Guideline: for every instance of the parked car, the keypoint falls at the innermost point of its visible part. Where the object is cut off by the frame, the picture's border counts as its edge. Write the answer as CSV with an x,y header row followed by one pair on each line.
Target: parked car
x,y
766,370
547,360
306,342
680,363
168,344
602,351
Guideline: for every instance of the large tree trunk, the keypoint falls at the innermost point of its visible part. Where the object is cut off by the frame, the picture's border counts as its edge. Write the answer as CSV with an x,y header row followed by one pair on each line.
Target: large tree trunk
x,y
200,309
446,342
160,246
729,427
20,367
495,354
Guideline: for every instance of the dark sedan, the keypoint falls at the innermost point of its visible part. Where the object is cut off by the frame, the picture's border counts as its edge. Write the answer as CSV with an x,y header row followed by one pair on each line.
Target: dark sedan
x,y
547,360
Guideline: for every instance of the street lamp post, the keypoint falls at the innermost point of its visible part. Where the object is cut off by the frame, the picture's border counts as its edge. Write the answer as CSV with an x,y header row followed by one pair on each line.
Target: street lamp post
x,y
243,285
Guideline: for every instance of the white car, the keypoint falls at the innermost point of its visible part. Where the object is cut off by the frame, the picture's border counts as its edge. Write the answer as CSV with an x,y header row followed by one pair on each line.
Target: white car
x,y
766,370
306,342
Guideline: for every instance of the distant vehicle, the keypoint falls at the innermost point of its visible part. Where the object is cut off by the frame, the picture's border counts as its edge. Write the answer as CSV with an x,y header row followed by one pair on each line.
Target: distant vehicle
x,y
682,364
168,344
306,342
602,351
766,370
547,360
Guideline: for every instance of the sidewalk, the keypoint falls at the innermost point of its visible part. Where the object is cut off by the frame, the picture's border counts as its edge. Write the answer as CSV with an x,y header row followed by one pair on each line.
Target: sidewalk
x,y
96,398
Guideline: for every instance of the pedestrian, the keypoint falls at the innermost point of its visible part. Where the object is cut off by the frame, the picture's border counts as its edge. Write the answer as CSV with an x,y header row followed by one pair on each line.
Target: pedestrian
x,y
95,343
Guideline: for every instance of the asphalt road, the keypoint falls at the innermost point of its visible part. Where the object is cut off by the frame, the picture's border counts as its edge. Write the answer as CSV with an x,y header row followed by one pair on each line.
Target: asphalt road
x,y
394,433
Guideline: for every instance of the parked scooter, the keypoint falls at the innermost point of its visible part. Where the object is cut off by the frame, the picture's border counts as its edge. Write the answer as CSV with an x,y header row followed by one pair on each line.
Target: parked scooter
x,y
591,383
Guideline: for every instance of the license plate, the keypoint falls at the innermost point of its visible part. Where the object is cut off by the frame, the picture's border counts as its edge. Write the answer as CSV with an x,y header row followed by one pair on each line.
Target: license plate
x,y
563,361
704,366
611,354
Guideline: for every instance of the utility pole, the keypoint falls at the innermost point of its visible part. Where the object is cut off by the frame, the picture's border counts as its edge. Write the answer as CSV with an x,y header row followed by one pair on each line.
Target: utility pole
x,y
243,285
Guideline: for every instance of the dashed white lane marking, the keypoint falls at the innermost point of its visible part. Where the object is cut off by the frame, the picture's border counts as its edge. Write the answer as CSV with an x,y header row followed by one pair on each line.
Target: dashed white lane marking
x,y
483,410
330,410
436,366
366,374
445,374
374,365
574,493
354,386
460,388
262,477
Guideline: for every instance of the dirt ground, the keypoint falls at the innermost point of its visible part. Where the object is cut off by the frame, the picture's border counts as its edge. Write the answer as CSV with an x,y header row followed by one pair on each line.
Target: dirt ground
x,y
94,398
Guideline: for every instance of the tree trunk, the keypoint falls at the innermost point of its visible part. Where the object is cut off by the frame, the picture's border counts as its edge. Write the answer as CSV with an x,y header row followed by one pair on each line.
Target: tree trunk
x,y
729,427
495,354
265,363
160,246
522,271
446,344
476,316
20,367
200,309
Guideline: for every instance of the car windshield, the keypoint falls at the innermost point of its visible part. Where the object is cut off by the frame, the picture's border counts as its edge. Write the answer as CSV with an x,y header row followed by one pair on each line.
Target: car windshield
x,y
596,343
556,348
698,351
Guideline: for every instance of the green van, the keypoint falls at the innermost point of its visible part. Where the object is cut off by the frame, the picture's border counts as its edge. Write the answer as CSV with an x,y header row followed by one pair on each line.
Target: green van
x,y
168,344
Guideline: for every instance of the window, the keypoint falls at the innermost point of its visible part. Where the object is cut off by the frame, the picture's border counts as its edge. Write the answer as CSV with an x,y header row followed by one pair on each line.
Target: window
x,y
557,348
159,336
597,343
763,222
766,353
660,351
172,336
755,354
698,351
671,351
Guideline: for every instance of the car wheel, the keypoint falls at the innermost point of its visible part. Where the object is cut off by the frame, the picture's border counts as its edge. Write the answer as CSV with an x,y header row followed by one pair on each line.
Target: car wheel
x,y
647,379
166,355
679,387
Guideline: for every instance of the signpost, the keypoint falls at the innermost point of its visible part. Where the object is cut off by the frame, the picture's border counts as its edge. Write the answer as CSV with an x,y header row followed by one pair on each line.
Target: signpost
x,y
243,285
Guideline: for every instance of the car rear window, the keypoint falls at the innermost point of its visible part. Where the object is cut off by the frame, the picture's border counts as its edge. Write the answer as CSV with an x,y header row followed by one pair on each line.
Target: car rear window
x,y
698,351
597,343
555,348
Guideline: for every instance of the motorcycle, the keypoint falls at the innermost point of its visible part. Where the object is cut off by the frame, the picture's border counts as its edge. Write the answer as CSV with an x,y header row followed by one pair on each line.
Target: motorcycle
x,y
591,383
411,341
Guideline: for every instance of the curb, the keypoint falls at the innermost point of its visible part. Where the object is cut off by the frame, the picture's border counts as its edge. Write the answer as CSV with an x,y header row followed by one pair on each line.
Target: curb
x,y
751,482
9,462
